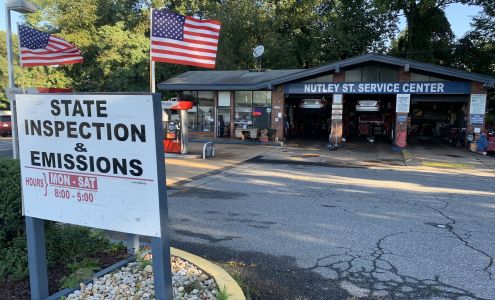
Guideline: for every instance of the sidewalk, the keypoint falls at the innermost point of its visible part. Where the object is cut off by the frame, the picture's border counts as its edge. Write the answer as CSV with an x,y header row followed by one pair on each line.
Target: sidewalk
x,y
180,170
455,159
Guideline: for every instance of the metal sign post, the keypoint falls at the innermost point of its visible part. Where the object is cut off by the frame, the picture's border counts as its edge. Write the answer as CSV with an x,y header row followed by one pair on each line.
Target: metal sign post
x,y
160,246
90,166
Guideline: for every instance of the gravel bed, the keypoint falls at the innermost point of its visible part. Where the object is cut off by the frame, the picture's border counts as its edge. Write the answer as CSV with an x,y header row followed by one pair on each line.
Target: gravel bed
x,y
135,281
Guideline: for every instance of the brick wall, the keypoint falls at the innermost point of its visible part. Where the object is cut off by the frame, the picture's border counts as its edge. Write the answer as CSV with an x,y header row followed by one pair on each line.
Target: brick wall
x,y
404,75
201,135
478,88
339,77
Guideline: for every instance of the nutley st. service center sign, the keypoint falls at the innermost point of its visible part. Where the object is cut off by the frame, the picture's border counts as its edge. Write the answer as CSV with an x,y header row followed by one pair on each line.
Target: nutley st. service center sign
x,y
444,87
90,160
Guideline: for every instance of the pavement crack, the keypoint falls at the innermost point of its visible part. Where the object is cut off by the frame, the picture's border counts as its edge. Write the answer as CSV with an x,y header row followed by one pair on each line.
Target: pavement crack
x,y
450,226
367,273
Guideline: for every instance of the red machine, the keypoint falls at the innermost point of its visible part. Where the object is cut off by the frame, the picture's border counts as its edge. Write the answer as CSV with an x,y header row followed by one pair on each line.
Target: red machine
x,y
175,139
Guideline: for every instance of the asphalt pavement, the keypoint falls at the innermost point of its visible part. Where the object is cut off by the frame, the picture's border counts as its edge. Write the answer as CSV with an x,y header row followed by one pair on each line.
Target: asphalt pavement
x,y
5,147
299,230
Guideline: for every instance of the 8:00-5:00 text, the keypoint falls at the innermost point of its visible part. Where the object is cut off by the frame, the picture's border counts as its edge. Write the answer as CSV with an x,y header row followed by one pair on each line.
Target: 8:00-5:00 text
x,y
81,196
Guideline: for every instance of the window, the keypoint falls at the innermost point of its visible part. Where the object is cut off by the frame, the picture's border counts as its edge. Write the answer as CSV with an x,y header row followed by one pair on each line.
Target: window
x,y
224,112
262,109
253,109
389,74
243,109
353,75
372,73
206,112
192,113
424,77
324,78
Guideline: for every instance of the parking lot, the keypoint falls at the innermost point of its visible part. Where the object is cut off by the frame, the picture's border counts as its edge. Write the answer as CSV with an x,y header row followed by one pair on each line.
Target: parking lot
x,y
5,147
300,222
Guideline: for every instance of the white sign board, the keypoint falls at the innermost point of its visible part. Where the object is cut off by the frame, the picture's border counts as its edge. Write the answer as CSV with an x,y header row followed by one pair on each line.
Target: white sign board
x,y
90,160
336,117
403,103
337,98
478,104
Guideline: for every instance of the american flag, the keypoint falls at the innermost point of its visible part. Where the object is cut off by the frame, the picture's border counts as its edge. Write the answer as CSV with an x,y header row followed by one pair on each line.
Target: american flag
x,y
39,48
183,40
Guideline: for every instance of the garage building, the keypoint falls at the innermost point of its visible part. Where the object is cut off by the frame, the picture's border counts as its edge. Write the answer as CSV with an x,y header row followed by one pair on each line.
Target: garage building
x,y
374,97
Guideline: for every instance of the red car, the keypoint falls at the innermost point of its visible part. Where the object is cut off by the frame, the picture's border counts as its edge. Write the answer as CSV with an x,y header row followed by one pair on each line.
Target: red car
x,y
5,125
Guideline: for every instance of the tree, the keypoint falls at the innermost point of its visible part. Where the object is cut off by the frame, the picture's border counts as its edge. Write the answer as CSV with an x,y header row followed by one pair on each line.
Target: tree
x,y
351,27
432,42
417,12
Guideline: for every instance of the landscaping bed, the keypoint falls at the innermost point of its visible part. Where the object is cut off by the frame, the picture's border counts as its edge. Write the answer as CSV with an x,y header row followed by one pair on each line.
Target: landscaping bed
x,y
135,281
19,289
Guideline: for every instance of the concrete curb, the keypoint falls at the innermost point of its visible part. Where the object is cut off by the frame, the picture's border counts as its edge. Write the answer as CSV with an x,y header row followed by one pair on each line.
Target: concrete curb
x,y
235,142
223,279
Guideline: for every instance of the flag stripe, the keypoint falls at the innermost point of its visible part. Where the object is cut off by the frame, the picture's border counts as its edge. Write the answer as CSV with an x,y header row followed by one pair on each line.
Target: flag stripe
x,y
185,58
191,26
197,42
207,23
43,52
207,33
159,45
46,57
62,41
51,63
185,44
199,34
182,62
186,51
182,53
200,39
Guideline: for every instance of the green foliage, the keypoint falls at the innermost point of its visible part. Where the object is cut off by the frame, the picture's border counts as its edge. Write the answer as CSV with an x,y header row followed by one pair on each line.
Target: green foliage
x,y
87,263
80,275
68,243
11,225
222,294
80,272
430,39
64,243
143,259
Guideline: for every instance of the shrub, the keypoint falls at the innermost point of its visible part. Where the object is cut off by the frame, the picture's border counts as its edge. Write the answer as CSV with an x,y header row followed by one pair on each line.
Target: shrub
x,y
64,243
11,224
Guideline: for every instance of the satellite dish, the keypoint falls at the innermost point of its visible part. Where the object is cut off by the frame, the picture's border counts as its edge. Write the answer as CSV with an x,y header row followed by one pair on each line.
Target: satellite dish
x,y
258,51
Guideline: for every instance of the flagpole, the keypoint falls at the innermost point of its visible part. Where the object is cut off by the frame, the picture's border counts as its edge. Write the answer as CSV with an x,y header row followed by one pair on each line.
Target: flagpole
x,y
152,63
22,82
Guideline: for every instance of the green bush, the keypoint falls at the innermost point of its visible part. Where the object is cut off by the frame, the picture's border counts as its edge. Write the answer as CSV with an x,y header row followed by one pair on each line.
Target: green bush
x,y
64,243
11,224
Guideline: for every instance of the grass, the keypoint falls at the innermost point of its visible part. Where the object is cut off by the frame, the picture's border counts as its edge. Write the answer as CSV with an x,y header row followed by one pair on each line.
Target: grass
x,y
222,294
142,258
81,271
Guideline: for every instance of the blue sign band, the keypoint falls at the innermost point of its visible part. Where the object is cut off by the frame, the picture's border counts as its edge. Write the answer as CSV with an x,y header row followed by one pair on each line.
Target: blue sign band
x,y
442,87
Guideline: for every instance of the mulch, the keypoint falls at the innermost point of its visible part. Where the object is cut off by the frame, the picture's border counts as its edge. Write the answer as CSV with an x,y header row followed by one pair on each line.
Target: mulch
x,y
17,290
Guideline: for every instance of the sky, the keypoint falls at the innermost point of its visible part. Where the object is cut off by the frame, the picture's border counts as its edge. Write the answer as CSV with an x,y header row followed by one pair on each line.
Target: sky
x,y
459,16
